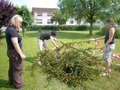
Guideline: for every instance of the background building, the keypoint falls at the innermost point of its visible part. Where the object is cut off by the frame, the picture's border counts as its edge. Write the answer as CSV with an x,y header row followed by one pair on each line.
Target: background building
x,y
42,16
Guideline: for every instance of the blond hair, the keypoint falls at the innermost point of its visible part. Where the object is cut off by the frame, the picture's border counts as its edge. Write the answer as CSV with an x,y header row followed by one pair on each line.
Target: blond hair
x,y
16,21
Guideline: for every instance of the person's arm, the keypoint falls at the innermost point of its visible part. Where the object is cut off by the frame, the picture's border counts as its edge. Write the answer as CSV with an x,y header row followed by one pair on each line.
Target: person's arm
x,y
53,40
57,40
111,34
17,47
95,39
99,38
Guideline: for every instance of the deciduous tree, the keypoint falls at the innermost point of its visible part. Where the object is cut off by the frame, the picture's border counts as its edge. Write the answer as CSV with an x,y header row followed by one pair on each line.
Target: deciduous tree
x,y
7,10
59,17
90,10
27,17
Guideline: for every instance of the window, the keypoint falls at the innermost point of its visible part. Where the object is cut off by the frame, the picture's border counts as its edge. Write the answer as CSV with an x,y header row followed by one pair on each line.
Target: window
x,y
39,14
49,21
49,14
71,21
39,21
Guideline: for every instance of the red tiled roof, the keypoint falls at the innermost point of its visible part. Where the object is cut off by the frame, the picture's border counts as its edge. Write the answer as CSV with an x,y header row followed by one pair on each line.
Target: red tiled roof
x,y
43,9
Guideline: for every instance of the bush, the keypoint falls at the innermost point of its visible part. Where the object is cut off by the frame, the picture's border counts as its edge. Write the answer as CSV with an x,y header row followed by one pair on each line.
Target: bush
x,y
7,10
118,33
104,29
61,27
71,65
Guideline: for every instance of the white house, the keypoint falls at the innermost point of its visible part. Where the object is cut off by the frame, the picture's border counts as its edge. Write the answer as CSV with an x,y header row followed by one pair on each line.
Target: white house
x,y
42,16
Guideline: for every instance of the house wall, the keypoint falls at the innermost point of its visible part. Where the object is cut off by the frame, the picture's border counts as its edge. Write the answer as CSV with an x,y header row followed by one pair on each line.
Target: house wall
x,y
71,21
44,19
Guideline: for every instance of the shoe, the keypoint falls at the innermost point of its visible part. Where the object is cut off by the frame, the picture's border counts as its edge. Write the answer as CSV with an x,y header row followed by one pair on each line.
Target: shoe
x,y
104,70
39,62
104,74
19,87
109,70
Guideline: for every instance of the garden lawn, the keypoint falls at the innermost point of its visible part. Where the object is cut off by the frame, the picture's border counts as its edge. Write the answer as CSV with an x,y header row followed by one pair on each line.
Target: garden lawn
x,y
35,79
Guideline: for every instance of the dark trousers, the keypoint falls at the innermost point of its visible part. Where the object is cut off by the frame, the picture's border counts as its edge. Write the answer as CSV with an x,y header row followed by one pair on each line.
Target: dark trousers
x,y
15,68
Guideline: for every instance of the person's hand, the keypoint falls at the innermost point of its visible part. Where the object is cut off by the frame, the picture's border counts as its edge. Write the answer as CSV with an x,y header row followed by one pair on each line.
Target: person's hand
x,y
102,47
92,39
61,42
23,56
57,46
96,39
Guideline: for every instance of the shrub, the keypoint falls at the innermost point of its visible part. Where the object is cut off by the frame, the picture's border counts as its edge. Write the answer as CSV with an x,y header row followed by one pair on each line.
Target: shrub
x,y
118,32
61,27
7,10
71,65
104,29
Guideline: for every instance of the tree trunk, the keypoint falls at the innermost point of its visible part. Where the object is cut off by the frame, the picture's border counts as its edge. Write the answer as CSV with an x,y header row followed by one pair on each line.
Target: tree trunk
x,y
91,28
0,34
23,31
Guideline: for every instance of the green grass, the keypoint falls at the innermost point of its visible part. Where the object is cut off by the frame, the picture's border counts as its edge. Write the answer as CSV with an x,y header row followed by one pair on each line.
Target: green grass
x,y
35,79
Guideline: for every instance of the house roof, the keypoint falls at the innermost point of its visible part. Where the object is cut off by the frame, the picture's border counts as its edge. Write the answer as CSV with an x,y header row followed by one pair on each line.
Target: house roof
x,y
34,9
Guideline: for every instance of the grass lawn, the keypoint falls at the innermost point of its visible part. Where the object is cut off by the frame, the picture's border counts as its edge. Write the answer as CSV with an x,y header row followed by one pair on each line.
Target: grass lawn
x,y
35,79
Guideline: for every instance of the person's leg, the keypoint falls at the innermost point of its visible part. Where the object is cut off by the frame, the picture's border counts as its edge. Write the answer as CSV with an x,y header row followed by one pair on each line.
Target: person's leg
x,y
107,55
16,69
108,64
110,54
40,44
10,71
45,45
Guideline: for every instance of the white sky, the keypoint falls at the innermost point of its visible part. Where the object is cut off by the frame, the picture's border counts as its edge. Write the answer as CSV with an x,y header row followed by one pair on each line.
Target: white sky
x,y
36,3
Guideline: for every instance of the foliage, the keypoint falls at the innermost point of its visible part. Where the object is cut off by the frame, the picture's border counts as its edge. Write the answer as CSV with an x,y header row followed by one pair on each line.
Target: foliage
x,y
90,10
39,80
26,14
118,32
71,65
59,17
61,27
111,9
27,17
104,30
7,10
117,19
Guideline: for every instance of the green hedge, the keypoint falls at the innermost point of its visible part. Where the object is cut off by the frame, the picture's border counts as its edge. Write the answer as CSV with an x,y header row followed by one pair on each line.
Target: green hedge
x,y
61,27
118,33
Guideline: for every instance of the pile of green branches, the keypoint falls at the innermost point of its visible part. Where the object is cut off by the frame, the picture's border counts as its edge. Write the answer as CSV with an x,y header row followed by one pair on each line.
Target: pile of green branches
x,y
71,64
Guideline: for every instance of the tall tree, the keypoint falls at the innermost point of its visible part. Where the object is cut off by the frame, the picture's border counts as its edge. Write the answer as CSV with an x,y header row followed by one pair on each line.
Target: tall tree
x,y
87,9
59,17
117,18
112,10
7,10
27,17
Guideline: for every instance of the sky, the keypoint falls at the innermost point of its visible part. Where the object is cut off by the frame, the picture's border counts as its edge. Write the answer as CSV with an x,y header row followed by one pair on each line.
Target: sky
x,y
36,3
